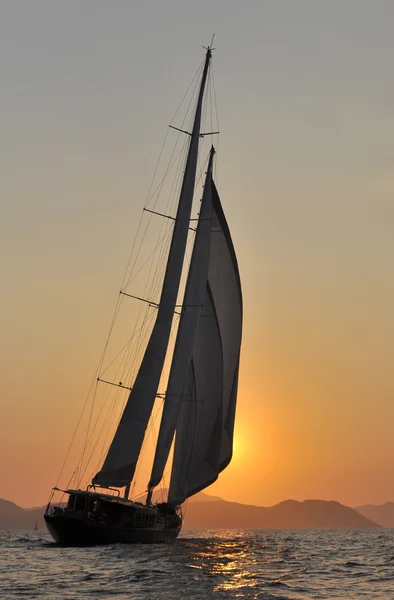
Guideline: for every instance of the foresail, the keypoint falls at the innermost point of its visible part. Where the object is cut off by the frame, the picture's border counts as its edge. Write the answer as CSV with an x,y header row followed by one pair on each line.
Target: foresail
x,y
204,435
227,294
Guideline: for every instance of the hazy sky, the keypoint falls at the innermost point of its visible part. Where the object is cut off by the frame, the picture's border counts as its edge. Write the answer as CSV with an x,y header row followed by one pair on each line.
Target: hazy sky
x,y
306,110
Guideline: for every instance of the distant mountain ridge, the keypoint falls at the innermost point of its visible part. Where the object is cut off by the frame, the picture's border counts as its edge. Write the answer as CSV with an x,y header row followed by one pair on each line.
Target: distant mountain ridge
x,y
382,514
290,514
13,516
211,512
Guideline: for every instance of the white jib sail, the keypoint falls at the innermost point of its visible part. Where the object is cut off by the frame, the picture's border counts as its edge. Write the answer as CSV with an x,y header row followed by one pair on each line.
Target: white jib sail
x,y
204,434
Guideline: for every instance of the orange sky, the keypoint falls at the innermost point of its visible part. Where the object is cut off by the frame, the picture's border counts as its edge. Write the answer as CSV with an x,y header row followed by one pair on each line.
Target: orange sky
x,y
305,176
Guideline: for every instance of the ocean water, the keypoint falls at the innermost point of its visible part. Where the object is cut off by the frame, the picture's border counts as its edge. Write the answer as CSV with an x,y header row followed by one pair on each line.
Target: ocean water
x,y
281,565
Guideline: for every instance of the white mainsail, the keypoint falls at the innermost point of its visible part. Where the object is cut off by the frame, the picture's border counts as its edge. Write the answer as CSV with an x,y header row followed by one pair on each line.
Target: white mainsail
x,y
204,434
120,463
187,331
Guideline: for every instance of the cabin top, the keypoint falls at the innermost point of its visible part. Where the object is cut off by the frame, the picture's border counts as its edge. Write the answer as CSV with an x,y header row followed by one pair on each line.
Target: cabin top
x,y
107,498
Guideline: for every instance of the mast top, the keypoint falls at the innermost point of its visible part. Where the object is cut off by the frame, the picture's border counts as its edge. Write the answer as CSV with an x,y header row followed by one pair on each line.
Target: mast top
x,y
209,48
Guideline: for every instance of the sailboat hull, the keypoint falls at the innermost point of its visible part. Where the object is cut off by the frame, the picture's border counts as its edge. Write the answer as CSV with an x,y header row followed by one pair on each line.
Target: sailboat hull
x,y
76,532
90,519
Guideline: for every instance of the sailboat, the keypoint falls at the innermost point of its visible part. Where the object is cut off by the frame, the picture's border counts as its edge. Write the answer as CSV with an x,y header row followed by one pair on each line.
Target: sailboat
x,y
200,400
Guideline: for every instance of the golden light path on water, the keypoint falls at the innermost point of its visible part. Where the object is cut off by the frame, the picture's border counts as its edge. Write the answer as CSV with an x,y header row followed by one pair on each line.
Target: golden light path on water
x,y
227,560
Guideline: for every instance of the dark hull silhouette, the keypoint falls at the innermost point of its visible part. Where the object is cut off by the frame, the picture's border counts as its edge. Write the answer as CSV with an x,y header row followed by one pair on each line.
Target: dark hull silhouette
x,y
74,532
91,519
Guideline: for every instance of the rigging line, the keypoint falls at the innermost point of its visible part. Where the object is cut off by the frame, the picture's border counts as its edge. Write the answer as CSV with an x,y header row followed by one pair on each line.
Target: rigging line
x,y
210,102
196,76
130,368
132,274
156,282
200,152
88,427
74,434
176,183
135,331
74,473
89,433
106,425
155,286
127,368
171,163
130,363
203,167
136,237
138,495
147,199
100,363
165,374
148,258
141,340
101,360
94,440
145,317
156,168
187,259
159,260
157,193
193,95
176,180
106,398
158,264
161,184
148,291
205,109
159,159
125,346
217,121
94,448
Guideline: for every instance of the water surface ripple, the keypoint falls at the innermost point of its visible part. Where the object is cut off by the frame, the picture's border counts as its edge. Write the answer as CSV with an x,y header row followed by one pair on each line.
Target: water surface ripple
x,y
266,565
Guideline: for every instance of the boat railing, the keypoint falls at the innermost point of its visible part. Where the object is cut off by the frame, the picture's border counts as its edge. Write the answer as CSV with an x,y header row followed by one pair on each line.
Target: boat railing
x,y
104,487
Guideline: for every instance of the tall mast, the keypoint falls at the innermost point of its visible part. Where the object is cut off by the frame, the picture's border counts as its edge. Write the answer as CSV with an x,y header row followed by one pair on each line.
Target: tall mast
x,y
120,463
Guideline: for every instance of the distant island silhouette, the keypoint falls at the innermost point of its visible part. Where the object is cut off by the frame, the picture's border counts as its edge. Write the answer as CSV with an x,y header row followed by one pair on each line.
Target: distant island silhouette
x,y
382,514
211,512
